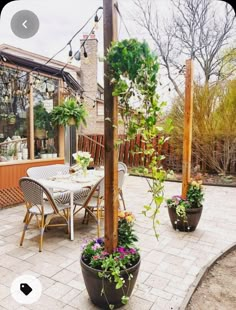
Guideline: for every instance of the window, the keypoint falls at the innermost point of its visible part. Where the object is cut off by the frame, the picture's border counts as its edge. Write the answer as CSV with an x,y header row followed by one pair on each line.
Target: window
x,y
100,108
15,93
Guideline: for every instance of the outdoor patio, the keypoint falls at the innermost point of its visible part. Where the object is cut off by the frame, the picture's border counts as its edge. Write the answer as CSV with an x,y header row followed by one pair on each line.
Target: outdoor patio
x,y
168,268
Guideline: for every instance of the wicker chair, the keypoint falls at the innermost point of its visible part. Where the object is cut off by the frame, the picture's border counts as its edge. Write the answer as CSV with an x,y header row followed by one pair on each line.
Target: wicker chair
x,y
44,210
121,178
94,201
44,172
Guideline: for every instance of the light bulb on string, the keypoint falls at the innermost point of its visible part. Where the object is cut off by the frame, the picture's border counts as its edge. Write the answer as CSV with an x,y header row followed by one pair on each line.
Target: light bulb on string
x,y
77,55
85,53
46,90
81,98
70,51
96,20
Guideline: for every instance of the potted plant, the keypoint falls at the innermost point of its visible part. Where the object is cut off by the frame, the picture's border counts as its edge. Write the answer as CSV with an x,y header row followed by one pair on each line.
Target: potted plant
x,y
41,121
51,151
11,119
110,278
185,213
43,154
69,113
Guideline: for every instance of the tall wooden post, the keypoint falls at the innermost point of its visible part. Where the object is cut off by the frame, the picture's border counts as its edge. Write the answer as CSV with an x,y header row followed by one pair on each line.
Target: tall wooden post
x,y
188,116
31,119
110,134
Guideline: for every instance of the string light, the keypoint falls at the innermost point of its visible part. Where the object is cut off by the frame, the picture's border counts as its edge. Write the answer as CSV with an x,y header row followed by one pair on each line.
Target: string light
x,y
96,20
77,55
70,51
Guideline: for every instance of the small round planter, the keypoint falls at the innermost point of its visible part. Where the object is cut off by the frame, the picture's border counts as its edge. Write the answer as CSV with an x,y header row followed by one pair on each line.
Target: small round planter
x,y
193,217
94,286
71,121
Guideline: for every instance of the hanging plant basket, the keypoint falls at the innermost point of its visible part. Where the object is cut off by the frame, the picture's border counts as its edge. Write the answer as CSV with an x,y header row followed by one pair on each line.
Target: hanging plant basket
x,y
71,121
40,133
12,120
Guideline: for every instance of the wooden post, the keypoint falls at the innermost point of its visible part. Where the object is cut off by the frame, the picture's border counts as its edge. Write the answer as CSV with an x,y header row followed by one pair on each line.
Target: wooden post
x,y
188,115
110,134
31,119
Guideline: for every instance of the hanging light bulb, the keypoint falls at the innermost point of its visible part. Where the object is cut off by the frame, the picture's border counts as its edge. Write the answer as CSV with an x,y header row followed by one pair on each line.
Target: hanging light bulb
x,y
85,53
70,51
81,98
96,20
46,90
77,55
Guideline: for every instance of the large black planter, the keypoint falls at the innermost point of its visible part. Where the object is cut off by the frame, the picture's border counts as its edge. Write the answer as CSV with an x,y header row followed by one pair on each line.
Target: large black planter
x,y
193,217
94,286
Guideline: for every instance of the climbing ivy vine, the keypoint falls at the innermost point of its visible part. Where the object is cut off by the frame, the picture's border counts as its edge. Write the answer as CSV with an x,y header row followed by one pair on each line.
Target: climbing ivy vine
x,y
133,69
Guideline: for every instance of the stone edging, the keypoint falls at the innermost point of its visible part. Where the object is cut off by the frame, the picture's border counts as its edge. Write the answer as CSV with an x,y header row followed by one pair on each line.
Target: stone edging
x,y
202,273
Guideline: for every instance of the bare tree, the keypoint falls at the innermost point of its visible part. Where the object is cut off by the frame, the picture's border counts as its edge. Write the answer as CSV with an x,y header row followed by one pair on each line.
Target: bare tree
x,y
196,30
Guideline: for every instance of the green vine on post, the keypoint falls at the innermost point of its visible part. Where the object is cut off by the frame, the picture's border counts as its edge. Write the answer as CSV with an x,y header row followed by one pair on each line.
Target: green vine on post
x,y
133,72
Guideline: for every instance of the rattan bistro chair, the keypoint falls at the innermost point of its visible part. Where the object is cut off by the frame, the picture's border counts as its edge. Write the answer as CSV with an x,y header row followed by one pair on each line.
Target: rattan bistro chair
x,y
93,204
44,210
44,172
121,178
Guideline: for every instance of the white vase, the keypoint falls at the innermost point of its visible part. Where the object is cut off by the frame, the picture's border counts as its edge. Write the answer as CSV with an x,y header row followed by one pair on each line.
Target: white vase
x,y
19,156
54,155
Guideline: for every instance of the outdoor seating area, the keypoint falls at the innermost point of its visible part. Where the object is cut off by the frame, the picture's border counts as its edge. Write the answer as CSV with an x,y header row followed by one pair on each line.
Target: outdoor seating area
x,y
118,155
169,266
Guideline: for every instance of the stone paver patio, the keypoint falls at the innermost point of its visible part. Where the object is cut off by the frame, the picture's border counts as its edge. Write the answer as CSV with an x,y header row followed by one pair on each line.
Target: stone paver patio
x,y
168,268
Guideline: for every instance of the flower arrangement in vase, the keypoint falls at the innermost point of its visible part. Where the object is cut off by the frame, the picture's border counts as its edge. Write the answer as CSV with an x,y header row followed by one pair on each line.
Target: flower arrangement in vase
x,y
83,159
110,278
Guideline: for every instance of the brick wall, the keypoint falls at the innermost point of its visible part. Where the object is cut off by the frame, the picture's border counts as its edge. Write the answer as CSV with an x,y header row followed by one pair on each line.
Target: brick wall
x,y
88,79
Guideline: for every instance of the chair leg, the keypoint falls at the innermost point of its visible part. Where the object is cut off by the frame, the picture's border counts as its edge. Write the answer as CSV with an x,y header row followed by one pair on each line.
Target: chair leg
x,y
98,222
122,198
27,220
41,234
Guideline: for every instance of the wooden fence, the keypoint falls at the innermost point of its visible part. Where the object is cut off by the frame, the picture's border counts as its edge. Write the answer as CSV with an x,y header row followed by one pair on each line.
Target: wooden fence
x,y
95,145
173,159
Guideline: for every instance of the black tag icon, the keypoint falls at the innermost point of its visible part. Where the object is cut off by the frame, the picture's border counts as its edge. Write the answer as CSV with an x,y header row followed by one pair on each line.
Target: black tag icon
x,y
25,288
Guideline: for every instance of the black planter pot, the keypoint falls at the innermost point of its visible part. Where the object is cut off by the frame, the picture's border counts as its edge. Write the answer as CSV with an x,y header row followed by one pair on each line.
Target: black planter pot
x,y
193,217
94,286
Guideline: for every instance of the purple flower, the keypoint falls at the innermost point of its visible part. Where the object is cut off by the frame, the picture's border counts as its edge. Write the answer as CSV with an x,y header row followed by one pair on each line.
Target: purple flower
x,y
121,249
132,251
96,246
99,240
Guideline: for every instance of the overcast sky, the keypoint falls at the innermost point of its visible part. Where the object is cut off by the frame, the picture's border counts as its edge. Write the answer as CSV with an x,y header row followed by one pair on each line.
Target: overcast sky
x,y
59,20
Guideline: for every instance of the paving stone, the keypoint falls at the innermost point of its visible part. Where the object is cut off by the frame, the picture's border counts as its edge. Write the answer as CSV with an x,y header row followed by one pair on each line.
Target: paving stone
x,y
4,291
64,276
168,267
57,290
156,282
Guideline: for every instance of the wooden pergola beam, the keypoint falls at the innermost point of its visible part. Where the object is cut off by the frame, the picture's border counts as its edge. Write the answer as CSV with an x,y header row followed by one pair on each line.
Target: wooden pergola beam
x,y
110,134
188,116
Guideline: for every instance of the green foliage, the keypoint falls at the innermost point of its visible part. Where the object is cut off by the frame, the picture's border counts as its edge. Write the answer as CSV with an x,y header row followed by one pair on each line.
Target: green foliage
x,y
194,199
70,109
41,117
126,234
110,266
133,72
